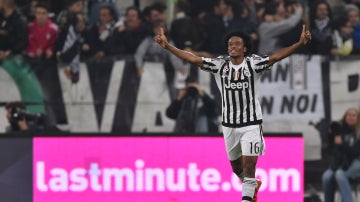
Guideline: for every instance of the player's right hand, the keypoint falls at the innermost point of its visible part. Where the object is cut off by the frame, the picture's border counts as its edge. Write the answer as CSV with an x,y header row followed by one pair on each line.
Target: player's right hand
x,y
161,39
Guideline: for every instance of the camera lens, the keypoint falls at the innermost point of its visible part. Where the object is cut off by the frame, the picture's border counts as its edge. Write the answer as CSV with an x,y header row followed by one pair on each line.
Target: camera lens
x,y
192,91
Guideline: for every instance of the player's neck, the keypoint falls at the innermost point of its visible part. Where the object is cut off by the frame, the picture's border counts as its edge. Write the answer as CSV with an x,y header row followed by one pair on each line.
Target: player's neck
x,y
237,60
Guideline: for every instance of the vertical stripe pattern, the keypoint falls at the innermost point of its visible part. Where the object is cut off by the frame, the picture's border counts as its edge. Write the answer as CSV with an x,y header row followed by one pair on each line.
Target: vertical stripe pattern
x,y
240,105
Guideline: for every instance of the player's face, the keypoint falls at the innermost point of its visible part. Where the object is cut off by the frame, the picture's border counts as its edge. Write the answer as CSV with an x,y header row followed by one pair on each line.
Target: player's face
x,y
236,47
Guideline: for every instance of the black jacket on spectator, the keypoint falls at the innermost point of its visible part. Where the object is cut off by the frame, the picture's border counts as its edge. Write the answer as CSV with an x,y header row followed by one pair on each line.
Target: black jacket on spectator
x,y
322,40
91,37
215,30
70,53
185,33
343,154
127,41
291,37
186,116
13,33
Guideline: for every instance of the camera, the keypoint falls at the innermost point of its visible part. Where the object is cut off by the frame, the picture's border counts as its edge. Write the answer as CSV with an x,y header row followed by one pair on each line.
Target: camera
x,y
192,91
19,114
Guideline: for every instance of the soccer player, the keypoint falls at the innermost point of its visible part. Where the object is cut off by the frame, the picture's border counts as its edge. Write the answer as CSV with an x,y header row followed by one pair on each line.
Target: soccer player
x,y
236,77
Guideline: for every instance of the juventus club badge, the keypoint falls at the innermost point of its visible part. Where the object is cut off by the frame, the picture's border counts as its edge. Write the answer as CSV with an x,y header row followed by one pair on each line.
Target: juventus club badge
x,y
246,72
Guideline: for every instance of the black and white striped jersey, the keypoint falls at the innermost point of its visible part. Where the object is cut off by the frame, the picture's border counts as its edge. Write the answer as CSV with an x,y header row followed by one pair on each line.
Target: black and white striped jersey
x,y
238,87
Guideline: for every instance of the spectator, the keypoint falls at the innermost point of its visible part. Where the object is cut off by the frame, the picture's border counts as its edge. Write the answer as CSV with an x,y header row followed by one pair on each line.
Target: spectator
x,y
72,24
232,16
290,37
345,163
129,35
352,12
322,29
184,29
97,40
155,15
94,7
251,8
56,6
354,2
337,8
188,31
343,37
238,18
259,8
13,30
28,10
210,17
42,34
40,56
274,24
149,50
193,109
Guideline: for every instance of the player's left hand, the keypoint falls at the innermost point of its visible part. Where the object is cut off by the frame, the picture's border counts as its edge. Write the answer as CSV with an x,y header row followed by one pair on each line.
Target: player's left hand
x,y
161,38
305,36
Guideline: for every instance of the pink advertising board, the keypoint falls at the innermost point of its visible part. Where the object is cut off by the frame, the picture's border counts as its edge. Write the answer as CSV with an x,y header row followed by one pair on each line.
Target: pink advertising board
x,y
161,169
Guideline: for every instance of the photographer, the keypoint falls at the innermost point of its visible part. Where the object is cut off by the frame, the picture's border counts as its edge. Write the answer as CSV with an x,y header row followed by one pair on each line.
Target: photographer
x,y
20,120
345,156
193,110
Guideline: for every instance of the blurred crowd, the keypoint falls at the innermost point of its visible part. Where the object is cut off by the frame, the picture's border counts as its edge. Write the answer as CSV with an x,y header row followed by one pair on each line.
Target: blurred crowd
x,y
68,32
72,30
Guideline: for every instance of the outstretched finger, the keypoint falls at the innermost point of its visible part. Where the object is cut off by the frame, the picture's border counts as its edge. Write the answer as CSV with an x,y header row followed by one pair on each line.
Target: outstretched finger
x,y
161,31
303,29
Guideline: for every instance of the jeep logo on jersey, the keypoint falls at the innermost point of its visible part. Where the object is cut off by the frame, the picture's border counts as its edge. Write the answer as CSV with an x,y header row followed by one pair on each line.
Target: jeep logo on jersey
x,y
238,85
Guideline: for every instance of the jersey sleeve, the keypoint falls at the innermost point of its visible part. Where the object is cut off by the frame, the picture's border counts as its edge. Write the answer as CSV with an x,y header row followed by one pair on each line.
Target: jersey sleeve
x,y
212,64
260,63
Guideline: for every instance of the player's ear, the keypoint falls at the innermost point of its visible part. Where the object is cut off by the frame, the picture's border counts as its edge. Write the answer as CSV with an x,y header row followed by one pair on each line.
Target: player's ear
x,y
245,49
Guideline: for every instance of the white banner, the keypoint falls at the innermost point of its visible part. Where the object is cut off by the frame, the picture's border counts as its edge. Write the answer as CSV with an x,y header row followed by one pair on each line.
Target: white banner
x,y
345,87
292,100
292,90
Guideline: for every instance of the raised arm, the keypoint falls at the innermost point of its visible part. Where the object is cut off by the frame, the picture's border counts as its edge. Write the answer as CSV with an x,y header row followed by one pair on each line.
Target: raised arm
x,y
184,55
305,37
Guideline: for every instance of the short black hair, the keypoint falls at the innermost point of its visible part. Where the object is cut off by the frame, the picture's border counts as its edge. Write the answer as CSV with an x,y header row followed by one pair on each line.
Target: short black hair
x,y
15,104
71,2
135,8
158,6
43,5
111,10
245,37
271,8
